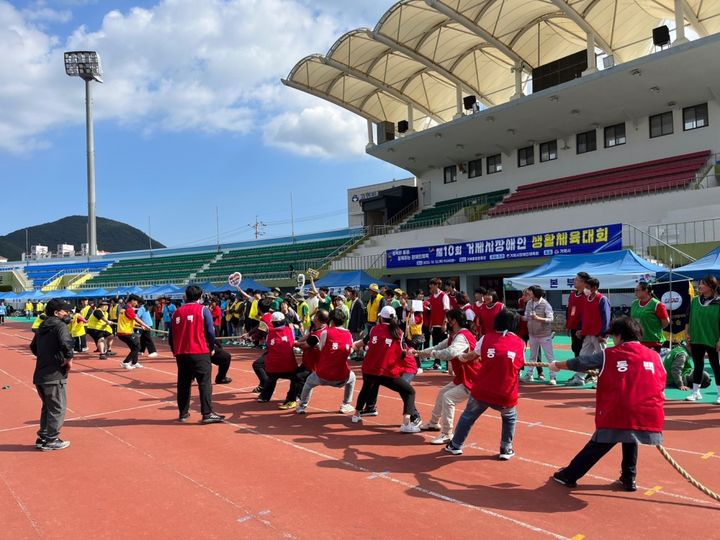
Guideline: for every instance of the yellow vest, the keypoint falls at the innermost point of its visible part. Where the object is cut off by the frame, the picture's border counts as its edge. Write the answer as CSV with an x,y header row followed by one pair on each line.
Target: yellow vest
x,y
28,306
373,308
254,311
84,311
306,318
40,307
37,322
114,312
125,326
77,328
99,324
415,329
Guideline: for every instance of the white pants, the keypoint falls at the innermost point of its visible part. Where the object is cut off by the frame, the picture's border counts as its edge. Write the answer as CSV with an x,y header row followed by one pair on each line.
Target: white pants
x,y
591,345
448,398
544,343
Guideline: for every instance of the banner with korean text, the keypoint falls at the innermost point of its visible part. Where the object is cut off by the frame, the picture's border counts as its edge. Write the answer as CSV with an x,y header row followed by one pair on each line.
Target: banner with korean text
x,y
597,239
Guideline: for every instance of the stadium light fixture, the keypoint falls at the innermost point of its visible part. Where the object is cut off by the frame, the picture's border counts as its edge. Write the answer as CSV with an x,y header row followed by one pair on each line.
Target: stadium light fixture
x,y
86,65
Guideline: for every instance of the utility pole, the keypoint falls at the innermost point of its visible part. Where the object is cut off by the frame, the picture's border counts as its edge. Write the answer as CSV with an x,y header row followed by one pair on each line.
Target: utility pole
x,y
257,227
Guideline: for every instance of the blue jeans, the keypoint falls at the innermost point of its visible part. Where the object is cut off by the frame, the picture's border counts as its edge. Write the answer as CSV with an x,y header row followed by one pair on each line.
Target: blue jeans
x,y
473,411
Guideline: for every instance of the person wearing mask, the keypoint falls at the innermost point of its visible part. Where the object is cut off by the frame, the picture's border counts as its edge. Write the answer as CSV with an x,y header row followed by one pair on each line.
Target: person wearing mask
x,y
374,305
382,367
147,345
281,363
100,329
678,365
332,368
539,316
629,403
439,306
703,334
594,326
52,346
573,315
127,322
501,354
191,337
460,341
651,314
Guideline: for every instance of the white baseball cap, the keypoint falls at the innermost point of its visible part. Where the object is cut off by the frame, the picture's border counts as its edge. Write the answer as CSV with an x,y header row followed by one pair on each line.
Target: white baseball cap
x,y
388,312
278,317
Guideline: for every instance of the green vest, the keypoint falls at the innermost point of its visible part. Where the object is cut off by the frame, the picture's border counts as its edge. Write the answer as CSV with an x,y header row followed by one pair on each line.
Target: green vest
x,y
704,327
672,355
648,320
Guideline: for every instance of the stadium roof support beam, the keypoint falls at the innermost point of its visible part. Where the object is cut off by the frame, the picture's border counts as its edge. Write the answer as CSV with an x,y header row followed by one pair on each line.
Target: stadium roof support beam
x,y
478,30
331,99
693,20
407,51
380,86
680,23
578,19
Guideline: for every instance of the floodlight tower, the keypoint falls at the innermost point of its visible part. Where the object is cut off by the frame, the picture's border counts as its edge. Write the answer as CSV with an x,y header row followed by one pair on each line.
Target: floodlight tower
x,y
86,65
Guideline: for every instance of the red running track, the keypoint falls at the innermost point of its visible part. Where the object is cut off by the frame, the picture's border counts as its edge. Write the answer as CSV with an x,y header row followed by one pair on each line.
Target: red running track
x,y
133,472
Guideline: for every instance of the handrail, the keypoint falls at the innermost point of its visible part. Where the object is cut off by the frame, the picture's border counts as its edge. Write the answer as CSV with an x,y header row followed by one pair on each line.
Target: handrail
x,y
690,257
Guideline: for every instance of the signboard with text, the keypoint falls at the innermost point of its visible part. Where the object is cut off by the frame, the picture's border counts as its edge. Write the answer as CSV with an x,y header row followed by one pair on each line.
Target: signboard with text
x,y
570,242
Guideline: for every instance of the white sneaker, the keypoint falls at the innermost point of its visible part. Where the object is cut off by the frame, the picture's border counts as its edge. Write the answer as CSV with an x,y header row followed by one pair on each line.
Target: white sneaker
x,y
528,377
717,401
356,418
420,371
152,355
138,366
127,365
441,439
409,428
553,381
429,426
695,396
346,408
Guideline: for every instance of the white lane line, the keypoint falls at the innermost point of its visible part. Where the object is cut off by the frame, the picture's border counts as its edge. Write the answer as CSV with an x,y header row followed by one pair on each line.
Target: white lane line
x,y
23,508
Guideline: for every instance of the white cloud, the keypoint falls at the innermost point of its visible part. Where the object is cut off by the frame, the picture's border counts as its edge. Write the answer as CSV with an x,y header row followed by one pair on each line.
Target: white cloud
x,y
211,66
47,15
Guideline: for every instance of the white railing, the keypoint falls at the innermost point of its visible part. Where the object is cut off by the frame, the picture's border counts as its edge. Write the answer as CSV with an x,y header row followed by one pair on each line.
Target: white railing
x,y
652,247
688,232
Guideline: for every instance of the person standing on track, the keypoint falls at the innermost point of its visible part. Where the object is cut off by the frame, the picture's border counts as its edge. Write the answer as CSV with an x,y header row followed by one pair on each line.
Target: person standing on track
x,y
3,311
539,316
629,403
146,341
127,322
192,341
703,334
100,329
573,315
53,347
651,314
439,306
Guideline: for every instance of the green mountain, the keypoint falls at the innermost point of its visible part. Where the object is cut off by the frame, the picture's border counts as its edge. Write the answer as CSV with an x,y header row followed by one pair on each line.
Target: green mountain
x,y
111,236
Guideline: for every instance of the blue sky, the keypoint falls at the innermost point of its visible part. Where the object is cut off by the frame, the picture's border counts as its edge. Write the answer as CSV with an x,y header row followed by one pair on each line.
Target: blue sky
x,y
192,116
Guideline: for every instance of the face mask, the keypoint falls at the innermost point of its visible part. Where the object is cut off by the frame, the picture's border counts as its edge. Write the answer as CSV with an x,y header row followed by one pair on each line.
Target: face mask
x,y
586,292
67,319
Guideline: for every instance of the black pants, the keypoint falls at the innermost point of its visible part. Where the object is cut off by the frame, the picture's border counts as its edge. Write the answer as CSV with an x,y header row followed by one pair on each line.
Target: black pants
x,y
199,368
146,342
259,369
133,344
2,319
594,451
297,381
698,356
371,386
438,336
77,344
575,342
54,405
222,360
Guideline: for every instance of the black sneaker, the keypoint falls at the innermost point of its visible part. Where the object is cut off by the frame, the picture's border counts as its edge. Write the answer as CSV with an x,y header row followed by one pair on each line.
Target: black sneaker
x,y
184,418
561,479
103,357
111,353
436,366
225,380
628,484
39,442
262,400
369,412
57,444
257,389
450,449
506,454
212,418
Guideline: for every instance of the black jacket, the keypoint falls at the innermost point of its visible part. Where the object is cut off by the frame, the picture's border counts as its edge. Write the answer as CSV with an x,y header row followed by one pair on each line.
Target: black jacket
x,y
358,317
52,345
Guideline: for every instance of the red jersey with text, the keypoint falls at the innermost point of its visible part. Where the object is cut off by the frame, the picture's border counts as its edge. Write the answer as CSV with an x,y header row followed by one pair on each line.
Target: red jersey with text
x,y
576,301
311,354
280,355
630,389
502,356
188,330
383,353
592,324
465,372
437,309
487,316
333,362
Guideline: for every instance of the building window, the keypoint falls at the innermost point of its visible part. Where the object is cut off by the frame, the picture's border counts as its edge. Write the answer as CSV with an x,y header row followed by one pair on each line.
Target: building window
x,y
695,117
586,142
494,164
475,168
526,156
451,174
661,124
614,135
548,151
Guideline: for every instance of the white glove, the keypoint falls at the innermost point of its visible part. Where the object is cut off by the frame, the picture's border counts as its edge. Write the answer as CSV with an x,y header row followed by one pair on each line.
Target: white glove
x,y
552,366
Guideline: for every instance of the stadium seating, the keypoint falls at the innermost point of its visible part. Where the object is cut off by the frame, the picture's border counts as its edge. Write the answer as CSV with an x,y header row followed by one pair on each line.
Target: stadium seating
x,y
269,260
40,274
671,173
438,214
155,270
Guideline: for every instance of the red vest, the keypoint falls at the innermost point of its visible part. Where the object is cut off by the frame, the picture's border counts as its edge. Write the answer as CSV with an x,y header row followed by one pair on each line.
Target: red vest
x,y
437,309
383,353
453,301
311,355
333,362
487,316
188,330
591,320
576,302
280,356
465,372
630,389
501,359
426,314
266,325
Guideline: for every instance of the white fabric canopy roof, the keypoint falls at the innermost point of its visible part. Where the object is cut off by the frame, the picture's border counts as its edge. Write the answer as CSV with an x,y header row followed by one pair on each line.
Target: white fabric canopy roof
x,y
421,51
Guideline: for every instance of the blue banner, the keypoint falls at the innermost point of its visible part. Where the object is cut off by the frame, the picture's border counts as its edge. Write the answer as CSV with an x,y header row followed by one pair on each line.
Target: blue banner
x,y
570,242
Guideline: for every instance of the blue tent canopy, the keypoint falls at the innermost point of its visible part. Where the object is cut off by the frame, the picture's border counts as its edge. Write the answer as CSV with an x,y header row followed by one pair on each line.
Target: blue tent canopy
x,y
64,293
247,283
8,295
615,270
709,264
93,293
358,279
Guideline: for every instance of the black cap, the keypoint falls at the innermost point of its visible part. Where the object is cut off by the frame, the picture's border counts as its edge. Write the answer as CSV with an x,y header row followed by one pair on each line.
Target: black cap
x,y
56,304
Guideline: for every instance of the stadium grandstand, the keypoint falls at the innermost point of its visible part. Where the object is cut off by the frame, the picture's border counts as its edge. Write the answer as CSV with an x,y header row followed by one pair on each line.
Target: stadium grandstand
x,y
522,123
